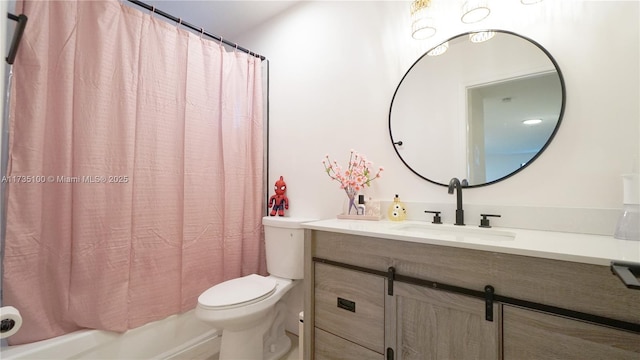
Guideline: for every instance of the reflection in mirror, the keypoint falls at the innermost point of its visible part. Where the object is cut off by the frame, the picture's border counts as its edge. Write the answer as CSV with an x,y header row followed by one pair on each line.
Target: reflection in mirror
x,y
509,122
467,113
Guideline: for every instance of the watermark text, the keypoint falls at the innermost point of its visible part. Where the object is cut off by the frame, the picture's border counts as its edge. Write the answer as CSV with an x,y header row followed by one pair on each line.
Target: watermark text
x,y
60,179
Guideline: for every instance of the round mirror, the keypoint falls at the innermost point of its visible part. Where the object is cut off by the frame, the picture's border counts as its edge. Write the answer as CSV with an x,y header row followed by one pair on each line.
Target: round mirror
x,y
480,106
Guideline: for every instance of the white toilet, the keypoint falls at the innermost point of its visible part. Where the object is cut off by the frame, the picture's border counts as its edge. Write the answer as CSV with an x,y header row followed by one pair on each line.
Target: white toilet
x,y
246,309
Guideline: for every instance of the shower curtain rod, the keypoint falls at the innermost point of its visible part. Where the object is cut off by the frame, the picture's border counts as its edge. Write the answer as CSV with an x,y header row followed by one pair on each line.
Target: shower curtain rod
x,y
194,28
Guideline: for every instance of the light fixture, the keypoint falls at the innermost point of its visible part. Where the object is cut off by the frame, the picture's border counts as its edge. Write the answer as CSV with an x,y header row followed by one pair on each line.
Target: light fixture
x,y
474,11
439,50
481,36
422,26
530,2
532,122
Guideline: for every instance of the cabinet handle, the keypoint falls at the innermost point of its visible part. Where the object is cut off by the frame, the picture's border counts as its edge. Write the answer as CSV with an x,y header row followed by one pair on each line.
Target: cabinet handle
x,y
389,353
627,271
489,293
347,304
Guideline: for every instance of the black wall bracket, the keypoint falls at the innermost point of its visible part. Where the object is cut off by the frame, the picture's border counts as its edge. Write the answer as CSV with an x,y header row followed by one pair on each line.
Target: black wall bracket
x,y
17,35
7,325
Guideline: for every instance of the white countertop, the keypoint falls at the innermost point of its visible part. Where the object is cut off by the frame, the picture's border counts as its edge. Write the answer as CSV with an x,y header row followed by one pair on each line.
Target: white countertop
x,y
582,248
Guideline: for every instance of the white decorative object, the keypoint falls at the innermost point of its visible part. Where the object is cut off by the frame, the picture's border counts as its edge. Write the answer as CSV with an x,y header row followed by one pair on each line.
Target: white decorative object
x,y
628,227
11,320
474,11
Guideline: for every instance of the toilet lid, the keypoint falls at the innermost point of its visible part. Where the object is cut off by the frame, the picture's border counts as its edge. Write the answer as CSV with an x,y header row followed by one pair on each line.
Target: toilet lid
x,y
240,291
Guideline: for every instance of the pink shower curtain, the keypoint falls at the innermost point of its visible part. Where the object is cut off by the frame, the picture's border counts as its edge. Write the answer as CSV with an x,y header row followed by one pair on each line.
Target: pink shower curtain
x,y
136,166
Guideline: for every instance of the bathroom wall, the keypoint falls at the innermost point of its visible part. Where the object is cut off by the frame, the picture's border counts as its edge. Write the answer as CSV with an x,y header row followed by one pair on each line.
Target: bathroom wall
x,y
334,66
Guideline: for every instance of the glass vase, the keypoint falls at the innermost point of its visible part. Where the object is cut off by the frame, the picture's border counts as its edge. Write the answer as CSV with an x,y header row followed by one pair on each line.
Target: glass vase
x,y
351,204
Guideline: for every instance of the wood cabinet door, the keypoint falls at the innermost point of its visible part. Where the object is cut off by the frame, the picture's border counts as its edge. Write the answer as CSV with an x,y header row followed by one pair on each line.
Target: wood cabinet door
x,y
428,324
529,334
331,347
350,304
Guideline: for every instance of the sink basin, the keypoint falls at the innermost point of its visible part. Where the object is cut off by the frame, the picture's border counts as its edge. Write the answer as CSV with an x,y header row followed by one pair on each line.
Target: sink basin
x,y
455,233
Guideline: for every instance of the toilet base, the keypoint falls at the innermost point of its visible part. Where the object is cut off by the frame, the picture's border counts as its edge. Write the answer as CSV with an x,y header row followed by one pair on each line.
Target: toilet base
x,y
245,344
240,347
280,348
266,341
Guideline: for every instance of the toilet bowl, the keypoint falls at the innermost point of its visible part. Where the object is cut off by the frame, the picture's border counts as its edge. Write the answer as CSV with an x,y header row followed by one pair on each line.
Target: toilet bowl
x,y
247,309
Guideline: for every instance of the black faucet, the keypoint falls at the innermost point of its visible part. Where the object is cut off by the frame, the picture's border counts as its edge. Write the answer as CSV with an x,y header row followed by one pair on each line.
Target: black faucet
x,y
455,184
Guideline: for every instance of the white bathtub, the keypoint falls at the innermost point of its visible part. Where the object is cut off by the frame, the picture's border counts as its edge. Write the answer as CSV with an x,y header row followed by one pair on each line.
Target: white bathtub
x,y
176,337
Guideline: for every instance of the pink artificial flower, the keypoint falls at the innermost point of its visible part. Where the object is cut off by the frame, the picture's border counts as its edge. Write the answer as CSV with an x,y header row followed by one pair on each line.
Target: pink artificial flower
x,y
357,175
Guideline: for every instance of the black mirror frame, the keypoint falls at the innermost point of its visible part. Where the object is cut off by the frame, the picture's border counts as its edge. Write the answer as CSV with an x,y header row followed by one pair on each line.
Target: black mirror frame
x,y
395,143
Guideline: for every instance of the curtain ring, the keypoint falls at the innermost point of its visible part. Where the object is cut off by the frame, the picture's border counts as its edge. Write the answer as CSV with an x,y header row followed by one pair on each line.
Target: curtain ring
x,y
179,22
153,9
201,32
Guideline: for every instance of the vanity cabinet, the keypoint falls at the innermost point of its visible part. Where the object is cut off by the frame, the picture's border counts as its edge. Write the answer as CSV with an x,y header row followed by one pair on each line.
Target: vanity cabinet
x,y
416,300
433,324
531,334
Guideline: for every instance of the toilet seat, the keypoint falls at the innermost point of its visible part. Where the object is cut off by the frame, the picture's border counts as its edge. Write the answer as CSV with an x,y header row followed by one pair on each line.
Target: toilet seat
x,y
237,292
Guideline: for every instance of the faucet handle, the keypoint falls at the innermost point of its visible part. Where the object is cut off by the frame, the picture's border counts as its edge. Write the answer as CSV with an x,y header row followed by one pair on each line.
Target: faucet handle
x,y
436,218
484,222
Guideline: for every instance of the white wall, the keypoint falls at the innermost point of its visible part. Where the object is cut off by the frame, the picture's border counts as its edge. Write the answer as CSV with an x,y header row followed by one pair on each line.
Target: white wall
x,y
334,67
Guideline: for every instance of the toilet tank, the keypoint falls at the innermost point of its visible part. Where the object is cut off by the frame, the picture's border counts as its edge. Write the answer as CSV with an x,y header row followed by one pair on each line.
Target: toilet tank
x,y
284,244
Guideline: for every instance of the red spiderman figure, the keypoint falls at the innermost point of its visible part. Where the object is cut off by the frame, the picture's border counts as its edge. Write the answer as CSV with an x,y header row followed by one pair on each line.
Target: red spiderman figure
x,y
279,201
